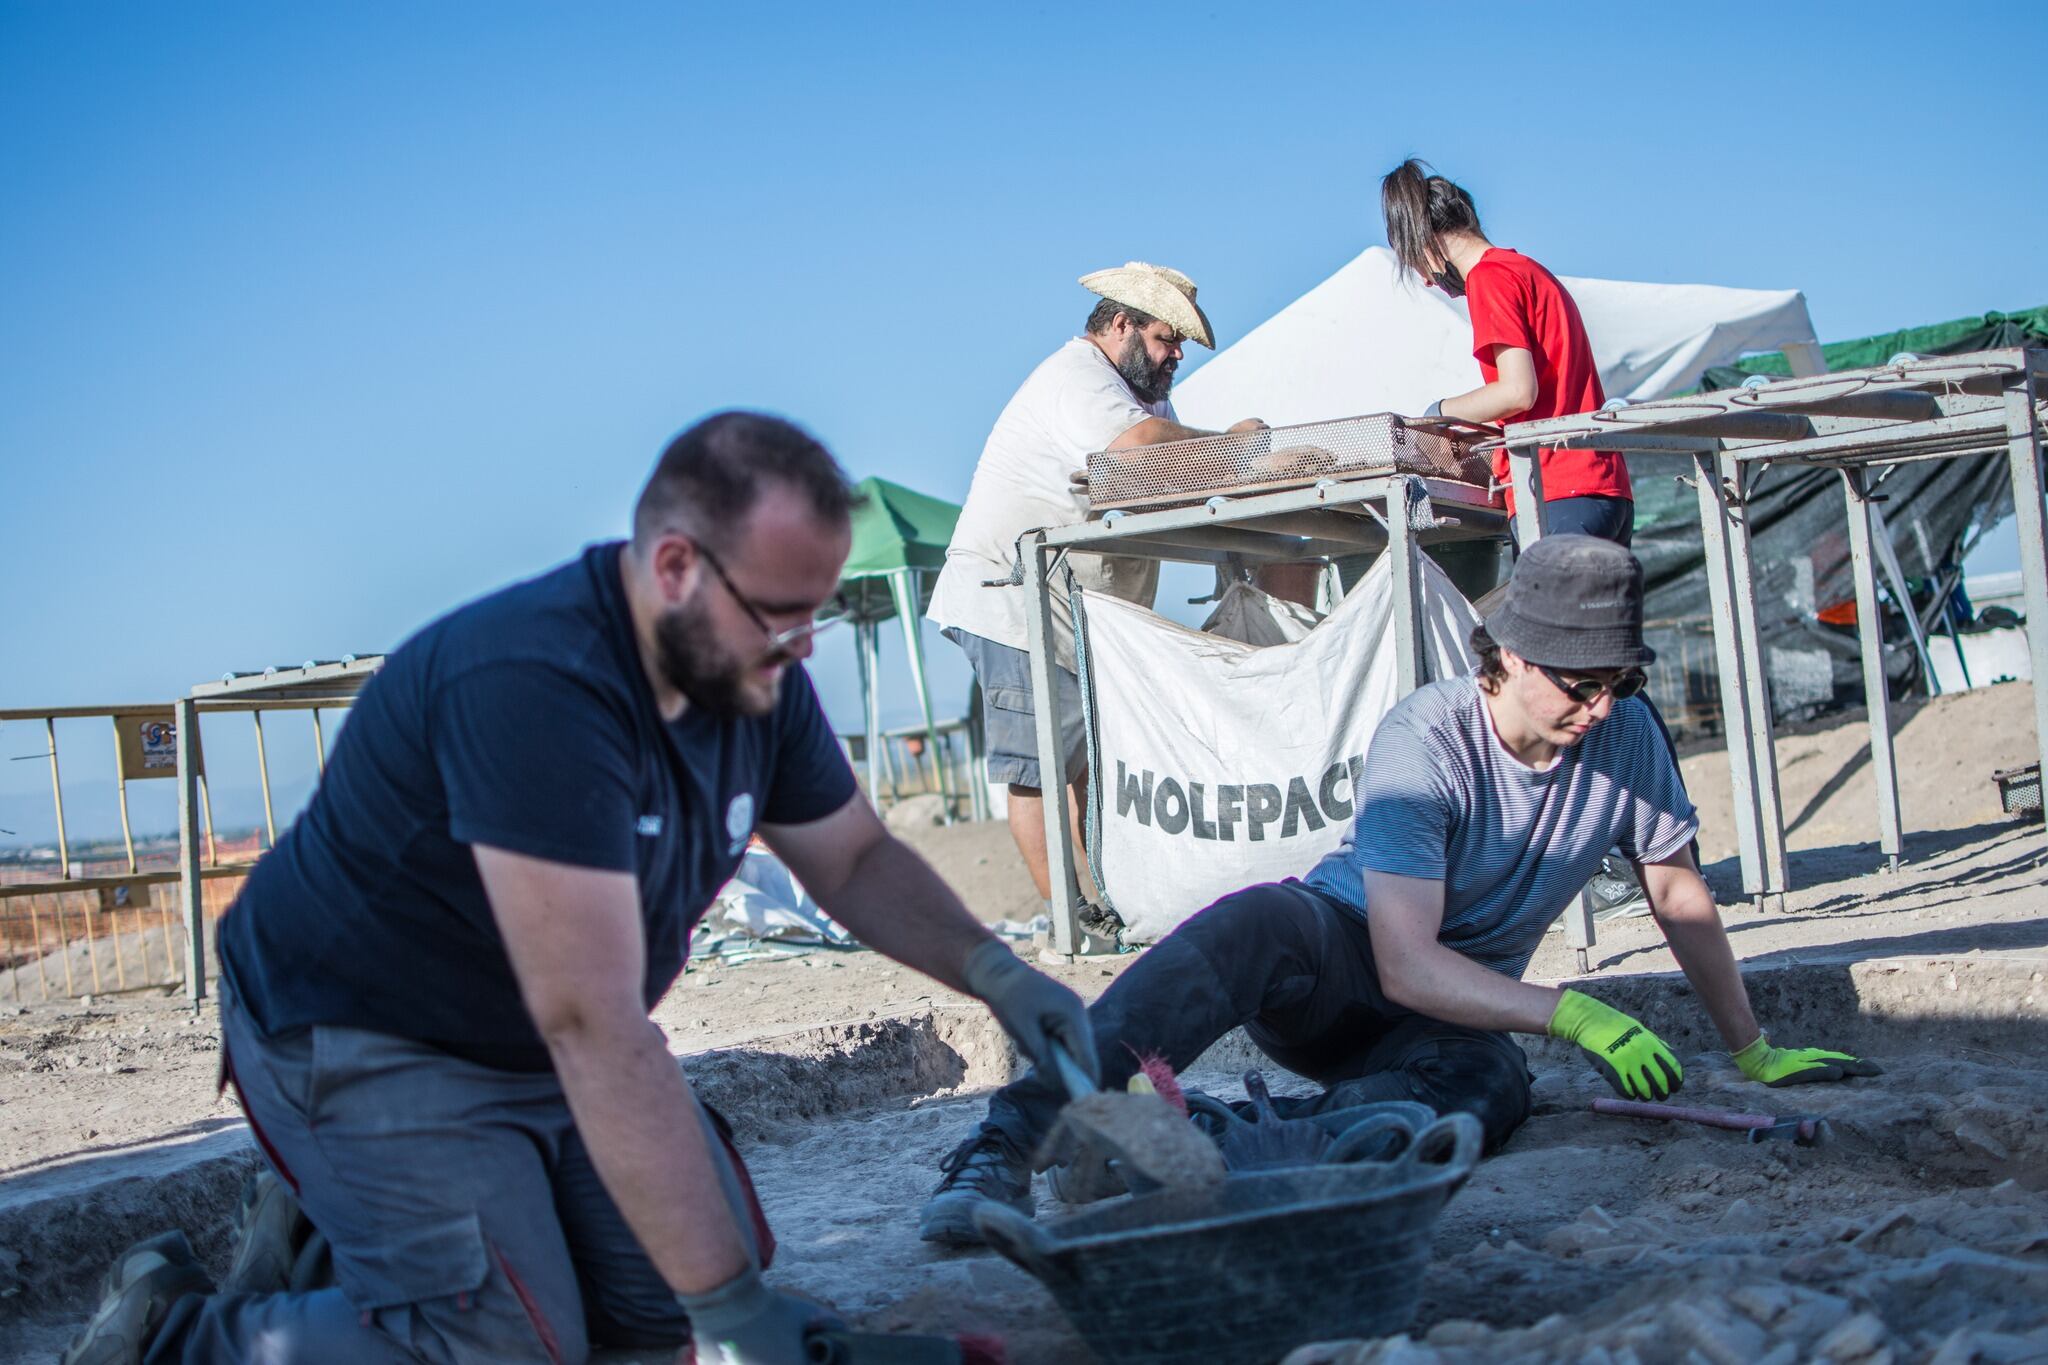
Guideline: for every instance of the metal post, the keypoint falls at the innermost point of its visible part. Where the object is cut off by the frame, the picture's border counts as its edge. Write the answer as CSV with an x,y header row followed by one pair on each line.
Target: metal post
x,y
2023,455
319,746
1407,590
121,787
1870,635
187,716
1525,474
1052,757
1578,929
57,792
1770,807
1735,718
263,780
206,812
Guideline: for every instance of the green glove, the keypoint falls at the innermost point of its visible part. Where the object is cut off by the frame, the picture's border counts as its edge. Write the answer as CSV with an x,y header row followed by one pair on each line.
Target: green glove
x,y
1799,1065
1633,1059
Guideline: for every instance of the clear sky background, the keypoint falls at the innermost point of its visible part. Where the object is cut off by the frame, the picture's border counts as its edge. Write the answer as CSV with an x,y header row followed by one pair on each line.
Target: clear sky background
x,y
318,320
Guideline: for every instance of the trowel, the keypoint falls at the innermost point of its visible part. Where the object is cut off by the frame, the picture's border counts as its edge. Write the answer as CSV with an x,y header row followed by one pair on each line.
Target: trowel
x,y
1137,1129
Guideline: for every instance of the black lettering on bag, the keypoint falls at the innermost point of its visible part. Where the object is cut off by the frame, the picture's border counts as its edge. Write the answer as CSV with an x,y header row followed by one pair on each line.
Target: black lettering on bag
x,y
1131,796
1229,805
1333,806
1173,819
1261,808
1299,808
1204,829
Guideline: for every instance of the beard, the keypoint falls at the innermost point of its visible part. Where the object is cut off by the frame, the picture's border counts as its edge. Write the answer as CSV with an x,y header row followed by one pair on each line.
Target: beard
x,y
712,678
1149,381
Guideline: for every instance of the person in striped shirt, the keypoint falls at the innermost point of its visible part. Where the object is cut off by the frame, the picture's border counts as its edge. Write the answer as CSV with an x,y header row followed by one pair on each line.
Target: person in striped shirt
x,y
1393,969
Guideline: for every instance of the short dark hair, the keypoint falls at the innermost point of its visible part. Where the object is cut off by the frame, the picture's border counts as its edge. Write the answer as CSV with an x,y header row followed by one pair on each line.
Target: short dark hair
x,y
1104,317
711,476
1492,672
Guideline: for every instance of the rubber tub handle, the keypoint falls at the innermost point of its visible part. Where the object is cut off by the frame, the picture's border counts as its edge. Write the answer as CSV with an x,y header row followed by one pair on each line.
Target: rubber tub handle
x,y
1020,1240
1450,1145
1364,1136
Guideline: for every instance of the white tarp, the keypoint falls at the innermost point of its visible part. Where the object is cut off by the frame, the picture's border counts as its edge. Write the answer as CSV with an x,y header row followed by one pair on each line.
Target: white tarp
x,y
1222,765
1363,341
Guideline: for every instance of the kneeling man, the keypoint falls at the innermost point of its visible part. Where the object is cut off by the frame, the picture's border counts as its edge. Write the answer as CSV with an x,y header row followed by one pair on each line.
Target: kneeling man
x,y
1393,971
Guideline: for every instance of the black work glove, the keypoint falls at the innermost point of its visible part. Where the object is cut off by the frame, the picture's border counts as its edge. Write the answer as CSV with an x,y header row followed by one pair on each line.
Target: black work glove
x,y
1033,1008
744,1322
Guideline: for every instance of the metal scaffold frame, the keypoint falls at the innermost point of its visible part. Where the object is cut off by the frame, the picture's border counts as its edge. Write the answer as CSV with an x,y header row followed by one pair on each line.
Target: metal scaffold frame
x,y
1347,516
1856,422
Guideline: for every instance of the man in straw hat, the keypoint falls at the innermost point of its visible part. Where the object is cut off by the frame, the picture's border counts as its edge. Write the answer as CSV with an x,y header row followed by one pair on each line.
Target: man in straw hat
x,y
1103,390
1392,971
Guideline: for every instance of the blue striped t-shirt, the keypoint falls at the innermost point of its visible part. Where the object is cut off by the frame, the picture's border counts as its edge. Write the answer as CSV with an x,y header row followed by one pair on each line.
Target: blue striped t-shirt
x,y
1443,800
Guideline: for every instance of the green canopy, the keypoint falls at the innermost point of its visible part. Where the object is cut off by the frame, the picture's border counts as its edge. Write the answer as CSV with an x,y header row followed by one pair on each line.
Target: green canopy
x,y
899,546
1989,332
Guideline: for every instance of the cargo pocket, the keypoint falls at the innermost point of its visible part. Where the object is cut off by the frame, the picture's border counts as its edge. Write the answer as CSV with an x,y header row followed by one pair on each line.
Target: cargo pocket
x,y
416,1281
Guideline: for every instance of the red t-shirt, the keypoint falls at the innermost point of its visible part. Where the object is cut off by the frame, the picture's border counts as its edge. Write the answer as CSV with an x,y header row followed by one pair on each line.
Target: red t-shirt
x,y
1516,302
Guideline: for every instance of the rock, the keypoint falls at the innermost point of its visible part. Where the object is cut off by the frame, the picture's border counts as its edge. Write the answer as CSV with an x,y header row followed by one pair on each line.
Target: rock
x,y
1858,1339
1762,1303
1721,1340
1741,1218
1977,1140
1459,1332
1897,1233
916,812
1595,1216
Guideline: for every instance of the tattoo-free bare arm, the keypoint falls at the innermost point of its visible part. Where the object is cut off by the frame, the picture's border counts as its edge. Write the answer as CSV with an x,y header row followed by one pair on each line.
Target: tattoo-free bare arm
x,y
1513,393
1419,973
875,885
574,937
1685,911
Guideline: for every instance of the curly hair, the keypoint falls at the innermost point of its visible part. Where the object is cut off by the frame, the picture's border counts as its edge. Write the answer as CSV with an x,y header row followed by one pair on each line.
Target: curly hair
x,y
1492,672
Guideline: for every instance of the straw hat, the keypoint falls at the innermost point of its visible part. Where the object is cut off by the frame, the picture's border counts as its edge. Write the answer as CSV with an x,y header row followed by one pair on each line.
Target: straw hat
x,y
1166,294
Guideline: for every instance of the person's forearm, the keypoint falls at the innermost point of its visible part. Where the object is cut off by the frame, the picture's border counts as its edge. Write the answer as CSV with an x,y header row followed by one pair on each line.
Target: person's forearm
x,y
1487,403
636,1116
894,903
1434,981
1700,943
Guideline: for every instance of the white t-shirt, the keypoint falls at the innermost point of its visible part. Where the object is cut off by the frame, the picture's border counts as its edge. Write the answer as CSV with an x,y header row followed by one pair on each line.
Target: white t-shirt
x,y
1073,405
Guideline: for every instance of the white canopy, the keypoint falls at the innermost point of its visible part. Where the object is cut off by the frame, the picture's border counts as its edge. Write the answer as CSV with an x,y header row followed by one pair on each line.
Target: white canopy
x,y
1365,341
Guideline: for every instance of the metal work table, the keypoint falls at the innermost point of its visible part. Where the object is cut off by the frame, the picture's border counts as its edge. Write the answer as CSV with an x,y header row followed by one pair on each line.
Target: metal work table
x,y
1856,422
1338,516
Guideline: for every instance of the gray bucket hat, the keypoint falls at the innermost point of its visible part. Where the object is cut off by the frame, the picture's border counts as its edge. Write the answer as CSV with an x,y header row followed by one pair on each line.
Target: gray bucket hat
x,y
1574,602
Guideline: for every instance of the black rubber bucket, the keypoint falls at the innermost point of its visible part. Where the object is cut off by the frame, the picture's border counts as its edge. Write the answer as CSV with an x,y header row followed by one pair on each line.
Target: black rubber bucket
x,y
1250,1268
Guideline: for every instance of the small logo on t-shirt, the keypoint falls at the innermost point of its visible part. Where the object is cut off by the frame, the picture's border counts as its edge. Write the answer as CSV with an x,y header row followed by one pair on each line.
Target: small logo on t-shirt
x,y
649,826
739,821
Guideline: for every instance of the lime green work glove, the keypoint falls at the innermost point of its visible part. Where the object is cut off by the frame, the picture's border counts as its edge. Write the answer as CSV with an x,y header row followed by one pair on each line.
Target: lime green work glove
x,y
1799,1065
1633,1059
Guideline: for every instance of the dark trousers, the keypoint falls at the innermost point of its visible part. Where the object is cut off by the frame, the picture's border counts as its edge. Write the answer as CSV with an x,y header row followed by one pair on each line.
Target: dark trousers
x,y
1296,971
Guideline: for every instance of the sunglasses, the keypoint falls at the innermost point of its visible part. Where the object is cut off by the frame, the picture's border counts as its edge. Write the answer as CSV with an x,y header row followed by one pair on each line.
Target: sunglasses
x,y
779,641
1586,691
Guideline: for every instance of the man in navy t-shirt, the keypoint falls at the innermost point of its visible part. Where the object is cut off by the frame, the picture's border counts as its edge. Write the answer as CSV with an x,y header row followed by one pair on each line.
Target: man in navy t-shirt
x,y
435,989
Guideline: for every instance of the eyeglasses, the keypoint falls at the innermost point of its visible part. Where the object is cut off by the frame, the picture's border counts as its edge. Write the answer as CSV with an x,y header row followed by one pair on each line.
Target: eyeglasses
x,y
1586,691
779,641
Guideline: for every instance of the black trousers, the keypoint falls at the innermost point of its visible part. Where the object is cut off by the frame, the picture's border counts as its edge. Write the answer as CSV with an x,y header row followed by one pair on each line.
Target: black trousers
x,y
1296,970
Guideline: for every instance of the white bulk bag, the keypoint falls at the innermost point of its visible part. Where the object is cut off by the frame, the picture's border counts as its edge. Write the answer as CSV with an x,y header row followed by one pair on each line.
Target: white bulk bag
x,y
1219,765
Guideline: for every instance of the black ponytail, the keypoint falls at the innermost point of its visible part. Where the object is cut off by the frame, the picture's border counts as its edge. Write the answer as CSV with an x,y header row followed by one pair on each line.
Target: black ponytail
x,y
1420,207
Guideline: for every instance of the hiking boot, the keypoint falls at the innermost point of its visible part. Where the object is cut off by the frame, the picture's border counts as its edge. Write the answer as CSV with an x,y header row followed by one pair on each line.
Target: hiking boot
x,y
268,1237
147,1279
986,1167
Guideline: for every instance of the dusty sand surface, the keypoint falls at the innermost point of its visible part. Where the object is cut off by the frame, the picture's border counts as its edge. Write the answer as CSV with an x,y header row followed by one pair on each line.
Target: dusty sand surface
x,y
851,1076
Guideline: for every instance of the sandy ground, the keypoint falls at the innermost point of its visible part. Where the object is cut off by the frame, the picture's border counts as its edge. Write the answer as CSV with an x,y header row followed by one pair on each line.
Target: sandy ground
x,y
852,1076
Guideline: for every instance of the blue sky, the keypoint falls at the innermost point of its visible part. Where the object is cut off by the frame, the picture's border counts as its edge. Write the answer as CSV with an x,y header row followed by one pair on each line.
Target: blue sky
x,y
315,321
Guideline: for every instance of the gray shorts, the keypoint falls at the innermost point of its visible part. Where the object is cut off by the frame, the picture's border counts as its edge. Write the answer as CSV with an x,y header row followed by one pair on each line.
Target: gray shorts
x,y
1005,677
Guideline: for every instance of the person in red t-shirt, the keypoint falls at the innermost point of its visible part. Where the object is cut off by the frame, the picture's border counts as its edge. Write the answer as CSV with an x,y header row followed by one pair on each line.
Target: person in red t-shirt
x,y
1528,338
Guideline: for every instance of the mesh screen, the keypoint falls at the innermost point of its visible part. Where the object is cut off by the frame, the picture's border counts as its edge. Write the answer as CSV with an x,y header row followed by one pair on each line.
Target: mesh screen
x,y
1283,457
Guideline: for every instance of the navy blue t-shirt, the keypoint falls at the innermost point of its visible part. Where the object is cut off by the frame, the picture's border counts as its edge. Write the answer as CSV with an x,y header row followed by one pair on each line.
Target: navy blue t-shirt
x,y
523,721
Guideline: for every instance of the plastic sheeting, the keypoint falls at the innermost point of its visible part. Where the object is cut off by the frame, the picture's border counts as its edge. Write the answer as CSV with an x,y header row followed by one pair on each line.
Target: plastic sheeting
x,y
1364,341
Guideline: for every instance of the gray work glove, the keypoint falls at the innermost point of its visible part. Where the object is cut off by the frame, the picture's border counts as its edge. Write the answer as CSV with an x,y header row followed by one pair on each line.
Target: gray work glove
x,y
1033,1008
1435,409
744,1322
